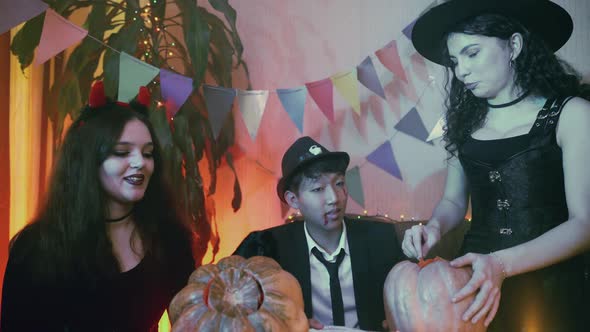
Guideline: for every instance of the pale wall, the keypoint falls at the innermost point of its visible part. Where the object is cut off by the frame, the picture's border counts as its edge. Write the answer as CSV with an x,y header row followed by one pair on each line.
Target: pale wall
x,y
289,43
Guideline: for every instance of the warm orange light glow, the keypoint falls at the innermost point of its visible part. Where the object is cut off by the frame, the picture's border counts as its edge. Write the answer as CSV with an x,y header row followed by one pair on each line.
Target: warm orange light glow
x,y
25,142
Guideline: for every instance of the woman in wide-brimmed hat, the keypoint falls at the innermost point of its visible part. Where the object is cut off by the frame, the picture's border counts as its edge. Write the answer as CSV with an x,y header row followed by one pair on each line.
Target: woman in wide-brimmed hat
x,y
517,130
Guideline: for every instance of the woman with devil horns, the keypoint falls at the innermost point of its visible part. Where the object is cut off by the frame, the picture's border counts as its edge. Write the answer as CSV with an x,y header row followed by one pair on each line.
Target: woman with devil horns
x,y
517,131
107,252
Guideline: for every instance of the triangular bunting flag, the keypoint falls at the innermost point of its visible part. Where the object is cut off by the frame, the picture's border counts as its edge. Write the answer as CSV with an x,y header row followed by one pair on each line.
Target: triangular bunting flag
x,y
411,124
219,101
407,31
367,75
419,67
252,104
57,35
13,13
383,158
293,101
438,129
355,185
175,90
322,93
389,57
133,73
347,85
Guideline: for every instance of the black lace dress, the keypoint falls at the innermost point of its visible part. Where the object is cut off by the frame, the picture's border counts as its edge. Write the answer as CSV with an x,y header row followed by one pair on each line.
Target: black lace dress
x,y
517,194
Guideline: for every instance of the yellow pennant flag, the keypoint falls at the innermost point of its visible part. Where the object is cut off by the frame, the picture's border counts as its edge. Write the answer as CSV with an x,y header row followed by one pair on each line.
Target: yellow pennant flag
x,y
348,86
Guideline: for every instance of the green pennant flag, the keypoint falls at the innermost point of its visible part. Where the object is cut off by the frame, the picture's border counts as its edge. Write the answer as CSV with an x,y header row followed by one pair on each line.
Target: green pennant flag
x,y
133,73
355,185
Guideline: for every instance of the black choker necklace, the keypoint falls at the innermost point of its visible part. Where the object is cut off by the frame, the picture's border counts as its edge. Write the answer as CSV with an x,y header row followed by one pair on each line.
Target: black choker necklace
x,y
510,103
119,219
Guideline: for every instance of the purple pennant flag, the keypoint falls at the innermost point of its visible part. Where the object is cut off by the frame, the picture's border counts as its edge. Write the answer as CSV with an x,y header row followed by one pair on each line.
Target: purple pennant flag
x,y
219,101
408,29
175,90
293,101
383,158
411,124
322,92
14,12
355,185
367,75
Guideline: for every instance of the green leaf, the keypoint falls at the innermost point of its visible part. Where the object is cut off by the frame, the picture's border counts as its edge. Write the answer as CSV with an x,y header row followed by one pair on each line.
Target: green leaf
x,y
236,202
66,7
26,40
69,100
196,37
85,58
221,50
230,15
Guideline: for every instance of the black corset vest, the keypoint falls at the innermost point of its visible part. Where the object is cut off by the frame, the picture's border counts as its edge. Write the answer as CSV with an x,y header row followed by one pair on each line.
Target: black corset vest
x,y
516,199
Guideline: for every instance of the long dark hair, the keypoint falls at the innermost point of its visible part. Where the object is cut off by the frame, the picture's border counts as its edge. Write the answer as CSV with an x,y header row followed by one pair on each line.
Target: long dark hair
x,y
537,69
68,238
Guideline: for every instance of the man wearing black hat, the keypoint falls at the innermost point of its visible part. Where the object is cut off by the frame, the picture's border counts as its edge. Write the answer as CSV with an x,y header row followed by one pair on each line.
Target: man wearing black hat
x,y
340,263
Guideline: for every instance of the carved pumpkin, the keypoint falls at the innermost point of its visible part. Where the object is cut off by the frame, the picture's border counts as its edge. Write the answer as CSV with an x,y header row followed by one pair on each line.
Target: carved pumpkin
x,y
417,297
238,294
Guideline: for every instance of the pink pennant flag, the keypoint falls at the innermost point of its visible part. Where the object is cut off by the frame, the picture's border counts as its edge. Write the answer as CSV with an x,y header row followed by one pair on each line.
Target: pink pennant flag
x,y
175,90
13,13
322,92
58,34
389,57
419,67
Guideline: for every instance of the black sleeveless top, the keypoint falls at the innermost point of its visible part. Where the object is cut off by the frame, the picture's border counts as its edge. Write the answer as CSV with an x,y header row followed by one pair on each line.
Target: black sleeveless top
x,y
517,194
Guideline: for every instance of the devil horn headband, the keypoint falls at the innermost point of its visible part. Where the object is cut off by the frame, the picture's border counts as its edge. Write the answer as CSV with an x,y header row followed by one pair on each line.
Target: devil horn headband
x,y
97,96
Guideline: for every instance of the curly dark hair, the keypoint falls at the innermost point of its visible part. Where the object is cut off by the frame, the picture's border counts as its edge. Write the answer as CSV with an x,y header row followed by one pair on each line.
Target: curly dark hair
x,y
537,70
68,238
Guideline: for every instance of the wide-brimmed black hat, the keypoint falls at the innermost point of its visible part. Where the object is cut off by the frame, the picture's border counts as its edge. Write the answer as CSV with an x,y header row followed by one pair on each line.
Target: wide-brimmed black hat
x,y
301,153
545,18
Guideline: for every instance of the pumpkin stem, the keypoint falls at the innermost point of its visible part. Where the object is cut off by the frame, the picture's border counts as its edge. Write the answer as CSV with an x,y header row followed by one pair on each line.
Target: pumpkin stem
x,y
422,263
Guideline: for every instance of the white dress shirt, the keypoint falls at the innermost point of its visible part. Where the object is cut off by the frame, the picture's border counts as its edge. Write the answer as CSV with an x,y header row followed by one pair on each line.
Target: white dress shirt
x,y
320,282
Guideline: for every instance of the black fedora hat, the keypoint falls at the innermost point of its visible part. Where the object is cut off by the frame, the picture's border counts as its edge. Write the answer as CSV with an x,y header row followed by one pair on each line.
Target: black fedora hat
x,y
545,18
301,153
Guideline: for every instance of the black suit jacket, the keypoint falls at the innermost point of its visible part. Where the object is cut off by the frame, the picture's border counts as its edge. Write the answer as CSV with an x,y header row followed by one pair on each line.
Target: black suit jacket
x,y
374,250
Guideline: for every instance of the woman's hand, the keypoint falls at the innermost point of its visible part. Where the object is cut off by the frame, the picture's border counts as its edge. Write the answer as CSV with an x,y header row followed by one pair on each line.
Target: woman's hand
x,y
419,239
488,275
315,324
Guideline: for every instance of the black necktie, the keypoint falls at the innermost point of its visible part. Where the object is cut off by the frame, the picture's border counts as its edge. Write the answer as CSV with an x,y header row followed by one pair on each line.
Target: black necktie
x,y
335,291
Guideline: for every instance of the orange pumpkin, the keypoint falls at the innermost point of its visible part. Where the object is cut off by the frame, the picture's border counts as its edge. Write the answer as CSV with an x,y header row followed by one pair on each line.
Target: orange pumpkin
x,y
238,294
417,297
